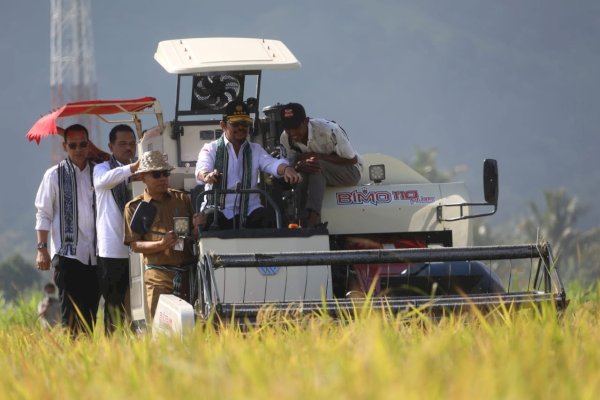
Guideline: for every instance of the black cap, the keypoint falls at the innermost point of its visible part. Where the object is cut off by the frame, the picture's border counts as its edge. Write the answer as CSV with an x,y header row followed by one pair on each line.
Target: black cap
x,y
236,110
292,115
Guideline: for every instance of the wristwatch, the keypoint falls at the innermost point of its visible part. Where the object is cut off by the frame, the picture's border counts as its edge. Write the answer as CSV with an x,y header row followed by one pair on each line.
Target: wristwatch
x,y
42,245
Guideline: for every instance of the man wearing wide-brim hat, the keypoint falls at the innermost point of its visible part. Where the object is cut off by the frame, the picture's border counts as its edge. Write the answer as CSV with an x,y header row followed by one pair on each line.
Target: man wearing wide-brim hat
x,y
231,162
168,259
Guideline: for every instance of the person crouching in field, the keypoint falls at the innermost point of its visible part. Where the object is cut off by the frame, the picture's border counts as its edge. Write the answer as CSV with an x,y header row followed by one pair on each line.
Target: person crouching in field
x,y
49,307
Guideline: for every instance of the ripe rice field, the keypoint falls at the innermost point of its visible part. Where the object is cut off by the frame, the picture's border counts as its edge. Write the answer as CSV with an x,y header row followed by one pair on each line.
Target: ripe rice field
x,y
519,355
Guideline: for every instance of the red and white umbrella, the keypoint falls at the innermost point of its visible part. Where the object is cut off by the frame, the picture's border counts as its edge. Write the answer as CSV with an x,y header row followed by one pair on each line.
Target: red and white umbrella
x,y
46,125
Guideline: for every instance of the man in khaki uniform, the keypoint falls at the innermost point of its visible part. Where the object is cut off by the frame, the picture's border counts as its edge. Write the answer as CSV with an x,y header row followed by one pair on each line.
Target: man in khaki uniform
x,y
168,259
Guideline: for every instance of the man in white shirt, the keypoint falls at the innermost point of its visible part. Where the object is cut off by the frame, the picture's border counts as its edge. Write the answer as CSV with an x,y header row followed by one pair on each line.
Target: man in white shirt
x,y
320,150
232,161
110,183
66,213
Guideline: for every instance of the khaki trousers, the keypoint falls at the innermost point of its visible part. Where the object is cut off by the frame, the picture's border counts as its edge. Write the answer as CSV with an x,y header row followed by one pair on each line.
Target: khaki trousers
x,y
161,282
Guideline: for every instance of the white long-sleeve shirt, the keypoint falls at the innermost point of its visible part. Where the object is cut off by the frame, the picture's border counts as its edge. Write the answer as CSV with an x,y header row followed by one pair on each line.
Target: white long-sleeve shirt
x,y
109,219
261,160
47,217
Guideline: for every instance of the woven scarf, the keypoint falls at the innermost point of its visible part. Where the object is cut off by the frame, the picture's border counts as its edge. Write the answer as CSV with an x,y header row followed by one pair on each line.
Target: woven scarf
x,y
119,192
67,188
221,165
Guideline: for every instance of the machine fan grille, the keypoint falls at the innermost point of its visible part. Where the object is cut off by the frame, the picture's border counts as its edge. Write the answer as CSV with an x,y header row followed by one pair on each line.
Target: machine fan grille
x,y
211,93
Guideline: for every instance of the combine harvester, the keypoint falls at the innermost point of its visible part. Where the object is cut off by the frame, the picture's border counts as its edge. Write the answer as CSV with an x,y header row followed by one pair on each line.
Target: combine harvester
x,y
397,236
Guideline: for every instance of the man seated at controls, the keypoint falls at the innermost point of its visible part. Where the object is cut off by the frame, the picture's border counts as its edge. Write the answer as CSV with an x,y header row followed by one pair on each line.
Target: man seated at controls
x,y
232,162
320,150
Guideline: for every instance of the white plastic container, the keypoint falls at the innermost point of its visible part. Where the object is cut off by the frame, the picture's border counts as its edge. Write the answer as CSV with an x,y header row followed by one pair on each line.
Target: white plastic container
x,y
173,316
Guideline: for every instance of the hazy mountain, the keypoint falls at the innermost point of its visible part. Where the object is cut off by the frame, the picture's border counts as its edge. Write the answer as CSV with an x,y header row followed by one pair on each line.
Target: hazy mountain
x,y
513,80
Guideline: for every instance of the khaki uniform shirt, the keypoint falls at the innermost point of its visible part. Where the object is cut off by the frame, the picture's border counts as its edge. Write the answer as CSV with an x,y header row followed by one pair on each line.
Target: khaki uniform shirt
x,y
176,204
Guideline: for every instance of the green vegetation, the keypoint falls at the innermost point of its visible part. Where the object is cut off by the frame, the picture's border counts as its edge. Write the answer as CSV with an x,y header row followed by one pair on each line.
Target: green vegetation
x,y
17,276
503,356
577,251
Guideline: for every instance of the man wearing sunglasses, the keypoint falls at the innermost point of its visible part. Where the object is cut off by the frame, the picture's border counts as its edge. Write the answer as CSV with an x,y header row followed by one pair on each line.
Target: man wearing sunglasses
x,y
169,259
110,183
66,215
231,162
320,150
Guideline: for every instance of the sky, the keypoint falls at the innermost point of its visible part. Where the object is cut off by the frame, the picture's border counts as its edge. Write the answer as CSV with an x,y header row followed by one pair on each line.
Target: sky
x,y
514,80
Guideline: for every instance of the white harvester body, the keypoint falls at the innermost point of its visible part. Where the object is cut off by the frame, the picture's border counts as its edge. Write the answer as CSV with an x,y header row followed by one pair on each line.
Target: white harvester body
x,y
395,233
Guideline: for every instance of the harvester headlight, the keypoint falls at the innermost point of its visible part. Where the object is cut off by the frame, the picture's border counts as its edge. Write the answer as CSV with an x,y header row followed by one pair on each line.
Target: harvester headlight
x,y
377,173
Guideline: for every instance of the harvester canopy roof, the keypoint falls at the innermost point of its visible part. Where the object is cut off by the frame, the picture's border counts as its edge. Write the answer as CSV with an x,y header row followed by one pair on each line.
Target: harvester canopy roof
x,y
200,55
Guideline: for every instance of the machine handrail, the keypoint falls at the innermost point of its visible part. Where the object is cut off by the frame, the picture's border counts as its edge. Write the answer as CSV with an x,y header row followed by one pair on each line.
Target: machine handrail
x,y
217,192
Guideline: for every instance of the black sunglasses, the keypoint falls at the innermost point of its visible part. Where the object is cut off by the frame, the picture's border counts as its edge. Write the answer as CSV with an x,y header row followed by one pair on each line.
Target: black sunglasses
x,y
158,174
243,124
73,146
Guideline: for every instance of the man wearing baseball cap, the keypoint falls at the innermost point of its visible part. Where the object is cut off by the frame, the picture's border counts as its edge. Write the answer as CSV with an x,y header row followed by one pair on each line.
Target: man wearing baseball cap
x,y
231,162
320,150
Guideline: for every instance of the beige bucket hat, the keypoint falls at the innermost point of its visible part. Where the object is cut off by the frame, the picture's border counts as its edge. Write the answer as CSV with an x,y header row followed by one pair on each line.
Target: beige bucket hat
x,y
154,161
